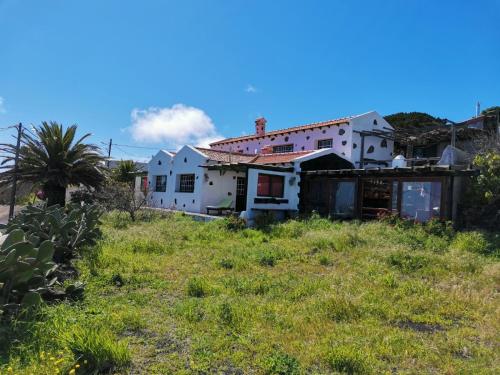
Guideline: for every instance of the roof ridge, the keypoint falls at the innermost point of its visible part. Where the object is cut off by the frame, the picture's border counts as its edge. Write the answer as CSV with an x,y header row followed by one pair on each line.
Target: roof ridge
x,y
289,129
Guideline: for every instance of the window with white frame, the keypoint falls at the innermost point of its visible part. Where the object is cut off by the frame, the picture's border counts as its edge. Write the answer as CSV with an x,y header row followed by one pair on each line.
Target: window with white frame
x,y
279,149
186,183
325,143
161,184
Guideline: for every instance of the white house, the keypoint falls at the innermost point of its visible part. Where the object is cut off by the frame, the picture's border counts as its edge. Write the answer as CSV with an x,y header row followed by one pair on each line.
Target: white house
x,y
367,136
195,178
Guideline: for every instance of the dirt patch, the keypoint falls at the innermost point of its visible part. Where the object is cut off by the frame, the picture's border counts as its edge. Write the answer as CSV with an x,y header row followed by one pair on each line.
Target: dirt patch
x,y
420,327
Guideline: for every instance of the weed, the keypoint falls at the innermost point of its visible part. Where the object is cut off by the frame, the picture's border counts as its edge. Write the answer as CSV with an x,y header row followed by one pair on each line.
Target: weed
x,y
408,262
197,287
348,360
280,363
475,242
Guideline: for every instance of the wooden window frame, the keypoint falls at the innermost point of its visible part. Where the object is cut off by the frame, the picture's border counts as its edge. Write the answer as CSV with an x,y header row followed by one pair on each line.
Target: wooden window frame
x,y
270,190
322,140
163,186
290,145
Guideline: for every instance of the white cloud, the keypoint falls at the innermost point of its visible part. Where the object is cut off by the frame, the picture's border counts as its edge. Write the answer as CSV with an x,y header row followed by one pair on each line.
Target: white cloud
x,y
2,107
176,126
251,89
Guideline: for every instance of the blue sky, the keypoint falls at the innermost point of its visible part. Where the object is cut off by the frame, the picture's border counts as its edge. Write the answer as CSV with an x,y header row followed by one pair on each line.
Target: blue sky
x,y
161,73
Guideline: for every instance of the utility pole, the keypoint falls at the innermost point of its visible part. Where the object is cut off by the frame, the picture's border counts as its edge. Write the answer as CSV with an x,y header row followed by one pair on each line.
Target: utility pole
x,y
16,167
109,150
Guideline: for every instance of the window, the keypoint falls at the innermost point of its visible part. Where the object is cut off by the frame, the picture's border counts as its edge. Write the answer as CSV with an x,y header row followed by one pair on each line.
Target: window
x,y
343,204
325,143
269,185
161,184
282,148
421,200
186,183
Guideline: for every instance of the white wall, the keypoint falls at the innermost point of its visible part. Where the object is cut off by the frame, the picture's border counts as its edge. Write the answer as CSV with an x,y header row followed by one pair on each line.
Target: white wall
x,y
291,191
159,199
223,186
366,122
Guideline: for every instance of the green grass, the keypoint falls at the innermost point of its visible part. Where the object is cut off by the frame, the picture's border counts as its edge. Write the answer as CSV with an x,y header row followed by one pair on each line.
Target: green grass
x,y
172,295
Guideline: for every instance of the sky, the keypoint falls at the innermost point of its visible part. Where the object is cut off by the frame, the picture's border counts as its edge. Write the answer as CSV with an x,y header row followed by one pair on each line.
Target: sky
x,y
160,74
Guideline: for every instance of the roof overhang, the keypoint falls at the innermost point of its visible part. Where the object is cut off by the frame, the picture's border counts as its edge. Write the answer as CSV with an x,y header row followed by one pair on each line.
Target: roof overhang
x,y
416,171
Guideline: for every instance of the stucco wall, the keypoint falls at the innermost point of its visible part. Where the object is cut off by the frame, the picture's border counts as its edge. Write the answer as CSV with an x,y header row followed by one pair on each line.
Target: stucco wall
x,y
217,187
291,191
159,199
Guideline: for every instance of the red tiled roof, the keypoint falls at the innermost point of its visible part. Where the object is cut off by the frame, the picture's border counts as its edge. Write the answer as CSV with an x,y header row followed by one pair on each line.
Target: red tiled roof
x,y
286,157
287,130
225,156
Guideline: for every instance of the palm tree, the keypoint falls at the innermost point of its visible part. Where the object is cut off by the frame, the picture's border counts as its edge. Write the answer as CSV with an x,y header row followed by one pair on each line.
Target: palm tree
x,y
125,171
52,159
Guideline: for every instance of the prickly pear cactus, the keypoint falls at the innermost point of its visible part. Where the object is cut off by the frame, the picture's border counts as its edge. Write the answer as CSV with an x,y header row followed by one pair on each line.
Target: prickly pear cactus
x,y
25,271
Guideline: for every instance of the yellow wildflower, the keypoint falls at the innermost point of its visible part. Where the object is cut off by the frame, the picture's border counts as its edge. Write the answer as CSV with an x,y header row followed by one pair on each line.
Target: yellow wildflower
x,y
58,361
72,371
9,369
77,366
52,359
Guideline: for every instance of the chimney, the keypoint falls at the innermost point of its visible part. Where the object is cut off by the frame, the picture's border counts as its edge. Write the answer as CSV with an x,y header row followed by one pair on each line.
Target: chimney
x,y
260,126
478,109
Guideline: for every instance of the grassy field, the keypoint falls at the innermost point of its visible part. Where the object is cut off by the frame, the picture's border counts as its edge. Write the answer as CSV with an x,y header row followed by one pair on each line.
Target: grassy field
x,y
177,296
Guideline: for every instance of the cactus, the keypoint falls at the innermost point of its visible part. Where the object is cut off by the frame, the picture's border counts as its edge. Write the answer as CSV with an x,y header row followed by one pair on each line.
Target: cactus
x,y
25,271
70,229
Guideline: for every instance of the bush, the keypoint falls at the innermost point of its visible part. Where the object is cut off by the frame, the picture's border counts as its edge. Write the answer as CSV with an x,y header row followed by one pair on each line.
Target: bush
x,y
280,363
348,360
226,263
99,350
234,223
474,242
197,288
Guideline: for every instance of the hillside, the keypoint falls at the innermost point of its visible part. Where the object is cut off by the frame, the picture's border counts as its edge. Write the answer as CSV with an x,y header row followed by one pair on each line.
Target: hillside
x,y
172,295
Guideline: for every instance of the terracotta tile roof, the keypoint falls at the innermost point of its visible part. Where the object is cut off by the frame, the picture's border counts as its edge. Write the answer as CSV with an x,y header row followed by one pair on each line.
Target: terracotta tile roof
x,y
225,156
286,157
287,130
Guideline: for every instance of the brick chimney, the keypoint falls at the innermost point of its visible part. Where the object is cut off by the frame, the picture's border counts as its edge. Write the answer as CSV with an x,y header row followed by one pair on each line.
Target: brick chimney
x,y
260,126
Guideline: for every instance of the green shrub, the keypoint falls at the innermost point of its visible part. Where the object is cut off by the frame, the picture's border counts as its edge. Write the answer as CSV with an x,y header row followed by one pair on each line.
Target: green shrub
x,y
226,263
101,350
197,287
348,360
268,259
71,230
234,223
475,242
24,272
226,315
407,262
325,261
280,363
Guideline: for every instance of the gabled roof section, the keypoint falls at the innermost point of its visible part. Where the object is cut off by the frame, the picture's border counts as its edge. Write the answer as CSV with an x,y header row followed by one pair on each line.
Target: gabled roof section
x,y
225,156
313,125
286,157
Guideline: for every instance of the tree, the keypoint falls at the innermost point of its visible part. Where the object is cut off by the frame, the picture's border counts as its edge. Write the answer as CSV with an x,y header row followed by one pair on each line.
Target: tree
x,y
123,197
125,172
406,120
52,159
